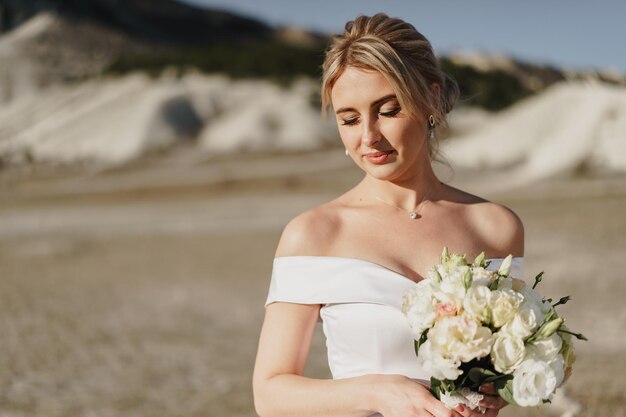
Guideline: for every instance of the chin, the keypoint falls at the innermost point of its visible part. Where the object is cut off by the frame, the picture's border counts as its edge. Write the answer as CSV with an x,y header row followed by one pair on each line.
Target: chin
x,y
384,173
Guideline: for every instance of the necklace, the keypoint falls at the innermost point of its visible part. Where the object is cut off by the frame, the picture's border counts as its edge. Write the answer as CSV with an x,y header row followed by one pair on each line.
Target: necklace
x,y
416,212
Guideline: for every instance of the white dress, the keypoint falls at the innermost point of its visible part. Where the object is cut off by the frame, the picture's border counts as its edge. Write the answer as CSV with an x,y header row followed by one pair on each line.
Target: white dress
x,y
366,331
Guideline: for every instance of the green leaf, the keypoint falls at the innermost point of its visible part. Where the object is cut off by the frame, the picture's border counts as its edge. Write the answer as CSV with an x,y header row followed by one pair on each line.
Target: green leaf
x,y
435,387
447,385
495,378
437,275
479,375
467,278
505,389
420,342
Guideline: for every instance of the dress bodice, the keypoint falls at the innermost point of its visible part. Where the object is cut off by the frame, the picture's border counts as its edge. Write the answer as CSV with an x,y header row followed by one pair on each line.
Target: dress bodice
x,y
366,331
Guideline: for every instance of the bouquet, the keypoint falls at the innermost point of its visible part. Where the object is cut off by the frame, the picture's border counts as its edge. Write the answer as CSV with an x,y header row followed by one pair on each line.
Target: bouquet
x,y
474,326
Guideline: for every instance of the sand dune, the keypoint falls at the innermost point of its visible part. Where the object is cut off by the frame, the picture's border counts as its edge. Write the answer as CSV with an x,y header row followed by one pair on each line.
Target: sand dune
x,y
108,122
261,116
113,121
571,127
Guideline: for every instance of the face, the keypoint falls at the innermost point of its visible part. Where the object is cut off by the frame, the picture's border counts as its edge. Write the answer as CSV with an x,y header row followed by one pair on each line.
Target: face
x,y
379,135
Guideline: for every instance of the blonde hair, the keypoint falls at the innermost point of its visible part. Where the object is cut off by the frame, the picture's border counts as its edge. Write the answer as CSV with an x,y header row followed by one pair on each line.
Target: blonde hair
x,y
402,55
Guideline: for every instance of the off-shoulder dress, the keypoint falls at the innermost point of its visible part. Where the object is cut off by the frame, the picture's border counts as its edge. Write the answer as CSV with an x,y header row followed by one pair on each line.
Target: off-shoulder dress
x,y
366,331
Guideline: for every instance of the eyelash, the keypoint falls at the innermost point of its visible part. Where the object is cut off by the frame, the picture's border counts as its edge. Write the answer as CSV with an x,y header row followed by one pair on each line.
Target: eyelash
x,y
390,113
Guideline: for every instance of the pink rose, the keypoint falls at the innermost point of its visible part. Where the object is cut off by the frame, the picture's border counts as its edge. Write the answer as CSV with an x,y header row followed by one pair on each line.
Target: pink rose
x,y
446,310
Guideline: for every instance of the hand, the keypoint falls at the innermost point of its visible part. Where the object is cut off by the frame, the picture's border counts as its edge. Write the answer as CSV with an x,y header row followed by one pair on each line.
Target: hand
x,y
400,396
491,401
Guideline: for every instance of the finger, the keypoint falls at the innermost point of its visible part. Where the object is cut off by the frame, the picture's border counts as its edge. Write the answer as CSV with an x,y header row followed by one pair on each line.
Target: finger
x,y
465,411
489,389
462,410
438,409
468,412
492,401
422,382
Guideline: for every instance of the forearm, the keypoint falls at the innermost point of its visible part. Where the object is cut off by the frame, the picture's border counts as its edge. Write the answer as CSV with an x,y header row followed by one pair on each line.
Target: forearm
x,y
293,395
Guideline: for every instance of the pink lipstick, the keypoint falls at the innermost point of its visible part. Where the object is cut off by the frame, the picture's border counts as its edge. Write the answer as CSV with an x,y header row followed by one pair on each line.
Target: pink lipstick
x,y
377,157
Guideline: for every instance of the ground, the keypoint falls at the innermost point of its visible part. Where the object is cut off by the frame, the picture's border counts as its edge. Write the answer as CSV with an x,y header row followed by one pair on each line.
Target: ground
x,y
139,291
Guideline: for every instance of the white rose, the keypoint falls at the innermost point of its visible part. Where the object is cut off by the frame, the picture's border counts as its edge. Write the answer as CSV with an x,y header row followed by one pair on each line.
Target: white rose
x,y
546,349
451,290
461,338
420,307
558,366
482,277
437,364
504,304
531,296
526,320
533,382
420,317
508,352
476,303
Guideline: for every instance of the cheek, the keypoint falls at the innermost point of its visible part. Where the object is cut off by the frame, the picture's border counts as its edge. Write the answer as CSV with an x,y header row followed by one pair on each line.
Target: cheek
x,y
349,137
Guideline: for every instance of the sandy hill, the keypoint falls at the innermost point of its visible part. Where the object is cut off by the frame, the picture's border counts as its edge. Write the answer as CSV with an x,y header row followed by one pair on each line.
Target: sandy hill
x,y
571,128
112,121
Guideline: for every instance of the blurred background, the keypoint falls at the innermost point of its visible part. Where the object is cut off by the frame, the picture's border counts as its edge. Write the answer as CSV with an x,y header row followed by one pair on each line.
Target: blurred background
x,y
152,150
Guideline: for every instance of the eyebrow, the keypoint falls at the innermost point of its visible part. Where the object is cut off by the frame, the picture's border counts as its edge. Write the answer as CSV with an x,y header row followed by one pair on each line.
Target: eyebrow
x,y
374,103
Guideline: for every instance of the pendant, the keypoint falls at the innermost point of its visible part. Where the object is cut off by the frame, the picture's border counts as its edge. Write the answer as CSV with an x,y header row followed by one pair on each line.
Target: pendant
x,y
413,215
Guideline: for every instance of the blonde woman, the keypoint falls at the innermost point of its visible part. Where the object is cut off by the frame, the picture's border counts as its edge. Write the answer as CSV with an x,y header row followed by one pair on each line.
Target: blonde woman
x,y
348,262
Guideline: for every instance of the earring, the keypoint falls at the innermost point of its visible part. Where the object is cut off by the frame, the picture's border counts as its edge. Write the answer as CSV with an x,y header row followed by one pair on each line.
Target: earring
x,y
347,153
431,127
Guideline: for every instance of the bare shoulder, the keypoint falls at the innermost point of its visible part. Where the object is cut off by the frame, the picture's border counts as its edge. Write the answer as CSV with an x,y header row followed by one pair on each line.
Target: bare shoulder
x,y
310,233
503,228
499,227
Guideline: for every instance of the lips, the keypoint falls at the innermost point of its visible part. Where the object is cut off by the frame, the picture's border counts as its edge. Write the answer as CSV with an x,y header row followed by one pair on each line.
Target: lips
x,y
379,157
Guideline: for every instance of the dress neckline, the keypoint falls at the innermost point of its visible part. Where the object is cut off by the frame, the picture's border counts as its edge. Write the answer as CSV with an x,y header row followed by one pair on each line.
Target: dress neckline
x,y
365,261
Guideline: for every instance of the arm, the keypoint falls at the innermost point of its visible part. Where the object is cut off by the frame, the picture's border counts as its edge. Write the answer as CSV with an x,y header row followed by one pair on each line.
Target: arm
x,y
280,389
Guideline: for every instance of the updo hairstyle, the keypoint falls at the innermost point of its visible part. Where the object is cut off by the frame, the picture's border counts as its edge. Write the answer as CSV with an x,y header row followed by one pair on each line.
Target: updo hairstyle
x,y
402,55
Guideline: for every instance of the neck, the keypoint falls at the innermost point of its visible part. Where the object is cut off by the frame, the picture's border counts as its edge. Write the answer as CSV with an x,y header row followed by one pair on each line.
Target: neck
x,y
407,194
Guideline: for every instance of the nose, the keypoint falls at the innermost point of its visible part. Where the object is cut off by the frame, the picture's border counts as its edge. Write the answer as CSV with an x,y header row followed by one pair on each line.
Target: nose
x,y
370,134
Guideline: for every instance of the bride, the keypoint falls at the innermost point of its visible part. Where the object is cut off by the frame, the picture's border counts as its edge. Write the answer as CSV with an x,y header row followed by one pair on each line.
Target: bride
x,y
349,261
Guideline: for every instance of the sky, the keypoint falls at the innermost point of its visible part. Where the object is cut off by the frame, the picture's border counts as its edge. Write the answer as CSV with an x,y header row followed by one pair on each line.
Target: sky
x,y
576,34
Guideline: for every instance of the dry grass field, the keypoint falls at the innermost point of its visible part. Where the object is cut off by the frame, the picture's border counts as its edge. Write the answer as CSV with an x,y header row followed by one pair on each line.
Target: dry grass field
x,y
139,291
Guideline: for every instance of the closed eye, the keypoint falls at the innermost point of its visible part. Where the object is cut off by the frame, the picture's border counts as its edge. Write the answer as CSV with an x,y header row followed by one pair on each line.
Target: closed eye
x,y
354,120
391,112
350,121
